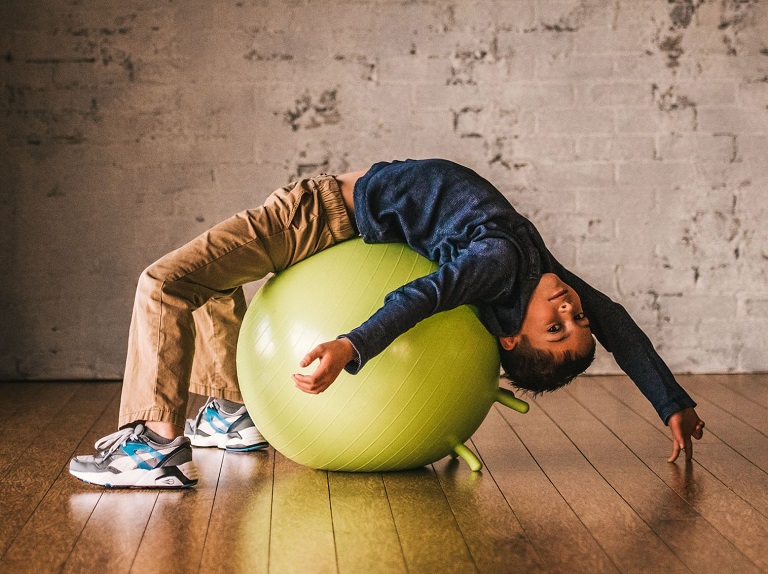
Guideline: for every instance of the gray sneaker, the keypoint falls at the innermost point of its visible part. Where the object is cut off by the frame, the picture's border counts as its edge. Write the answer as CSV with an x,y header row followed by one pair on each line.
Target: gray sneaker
x,y
229,431
131,458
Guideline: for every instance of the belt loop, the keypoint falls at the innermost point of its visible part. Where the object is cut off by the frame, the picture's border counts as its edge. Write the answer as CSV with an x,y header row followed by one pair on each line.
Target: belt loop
x,y
336,215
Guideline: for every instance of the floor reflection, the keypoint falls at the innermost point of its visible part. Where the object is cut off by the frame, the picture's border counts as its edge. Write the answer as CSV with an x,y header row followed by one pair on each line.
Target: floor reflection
x,y
682,479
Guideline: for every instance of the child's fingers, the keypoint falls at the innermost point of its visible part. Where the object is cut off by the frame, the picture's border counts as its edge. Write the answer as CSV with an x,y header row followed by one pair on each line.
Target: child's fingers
x,y
675,451
316,353
316,382
308,384
309,357
698,432
678,442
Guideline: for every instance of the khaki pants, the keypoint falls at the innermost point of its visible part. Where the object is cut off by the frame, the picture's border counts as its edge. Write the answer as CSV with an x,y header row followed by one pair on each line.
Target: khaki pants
x,y
190,303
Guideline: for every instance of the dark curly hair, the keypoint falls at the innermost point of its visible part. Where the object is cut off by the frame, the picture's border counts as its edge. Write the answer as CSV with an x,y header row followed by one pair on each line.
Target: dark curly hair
x,y
538,371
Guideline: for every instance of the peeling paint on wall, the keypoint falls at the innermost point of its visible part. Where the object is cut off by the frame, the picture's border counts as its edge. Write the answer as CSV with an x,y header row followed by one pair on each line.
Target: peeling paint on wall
x,y
309,113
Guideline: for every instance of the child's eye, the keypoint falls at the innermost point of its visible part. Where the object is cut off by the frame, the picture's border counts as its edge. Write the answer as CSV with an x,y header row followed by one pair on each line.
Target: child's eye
x,y
580,316
555,328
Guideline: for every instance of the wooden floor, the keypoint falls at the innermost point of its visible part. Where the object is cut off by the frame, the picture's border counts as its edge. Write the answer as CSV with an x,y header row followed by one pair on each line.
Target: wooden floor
x,y
579,484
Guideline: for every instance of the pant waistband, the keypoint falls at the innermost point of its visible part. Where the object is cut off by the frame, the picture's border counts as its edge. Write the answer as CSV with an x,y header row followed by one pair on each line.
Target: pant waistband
x,y
338,219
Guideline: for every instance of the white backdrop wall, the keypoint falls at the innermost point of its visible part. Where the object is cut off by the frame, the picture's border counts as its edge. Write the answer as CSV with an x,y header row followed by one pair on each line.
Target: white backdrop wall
x,y
632,132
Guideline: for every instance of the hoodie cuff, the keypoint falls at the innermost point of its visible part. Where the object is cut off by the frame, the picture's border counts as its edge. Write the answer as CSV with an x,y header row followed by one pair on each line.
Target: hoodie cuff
x,y
675,406
354,366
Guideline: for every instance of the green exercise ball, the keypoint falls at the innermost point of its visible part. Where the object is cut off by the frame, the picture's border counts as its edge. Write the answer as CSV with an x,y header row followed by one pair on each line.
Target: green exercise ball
x,y
413,404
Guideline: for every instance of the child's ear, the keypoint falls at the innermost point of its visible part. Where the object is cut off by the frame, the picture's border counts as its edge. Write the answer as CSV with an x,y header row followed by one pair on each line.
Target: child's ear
x,y
509,343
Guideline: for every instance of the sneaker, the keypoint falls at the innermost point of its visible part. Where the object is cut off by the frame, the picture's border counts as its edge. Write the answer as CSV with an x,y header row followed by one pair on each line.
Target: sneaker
x,y
230,431
130,458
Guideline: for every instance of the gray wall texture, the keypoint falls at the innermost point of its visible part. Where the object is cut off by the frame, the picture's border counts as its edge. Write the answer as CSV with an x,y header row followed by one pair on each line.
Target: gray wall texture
x,y
632,132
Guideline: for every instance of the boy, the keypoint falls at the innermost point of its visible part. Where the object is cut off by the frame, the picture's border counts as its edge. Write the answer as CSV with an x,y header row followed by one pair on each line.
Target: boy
x,y
488,254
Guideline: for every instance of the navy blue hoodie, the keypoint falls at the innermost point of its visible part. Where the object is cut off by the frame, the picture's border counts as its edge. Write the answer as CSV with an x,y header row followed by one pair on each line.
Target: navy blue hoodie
x,y
491,257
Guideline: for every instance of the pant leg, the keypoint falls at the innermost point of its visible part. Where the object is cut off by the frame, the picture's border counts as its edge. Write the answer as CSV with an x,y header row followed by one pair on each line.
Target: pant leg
x,y
214,369
294,223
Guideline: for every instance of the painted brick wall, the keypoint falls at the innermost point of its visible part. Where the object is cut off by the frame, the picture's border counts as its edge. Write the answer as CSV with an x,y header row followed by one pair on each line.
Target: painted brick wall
x,y
633,132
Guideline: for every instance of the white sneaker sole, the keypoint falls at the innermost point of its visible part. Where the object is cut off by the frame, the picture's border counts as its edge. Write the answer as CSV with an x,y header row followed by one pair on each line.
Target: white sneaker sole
x,y
162,477
249,439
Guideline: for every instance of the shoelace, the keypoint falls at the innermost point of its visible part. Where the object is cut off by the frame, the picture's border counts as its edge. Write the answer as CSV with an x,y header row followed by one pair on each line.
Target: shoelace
x,y
200,413
112,442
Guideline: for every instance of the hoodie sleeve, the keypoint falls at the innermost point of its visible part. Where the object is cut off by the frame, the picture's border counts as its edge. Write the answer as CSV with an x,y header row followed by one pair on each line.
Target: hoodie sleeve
x,y
475,276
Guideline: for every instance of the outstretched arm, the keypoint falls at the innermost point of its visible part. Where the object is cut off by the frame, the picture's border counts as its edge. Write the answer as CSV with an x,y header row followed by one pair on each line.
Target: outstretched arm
x,y
635,354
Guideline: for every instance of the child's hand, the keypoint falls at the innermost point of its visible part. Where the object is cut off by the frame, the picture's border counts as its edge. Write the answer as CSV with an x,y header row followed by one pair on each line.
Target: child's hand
x,y
333,355
684,425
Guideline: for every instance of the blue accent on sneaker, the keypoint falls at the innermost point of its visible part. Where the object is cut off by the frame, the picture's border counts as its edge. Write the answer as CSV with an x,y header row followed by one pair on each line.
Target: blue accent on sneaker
x,y
131,458
214,427
132,448
214,418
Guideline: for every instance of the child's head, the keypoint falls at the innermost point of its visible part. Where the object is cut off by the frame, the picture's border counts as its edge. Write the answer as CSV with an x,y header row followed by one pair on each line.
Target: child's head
x,y
554,344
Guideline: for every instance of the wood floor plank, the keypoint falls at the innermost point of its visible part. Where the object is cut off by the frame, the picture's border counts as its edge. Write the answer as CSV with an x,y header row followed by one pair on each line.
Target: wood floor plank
x,y
55,445
25,484
109,541
623,535
54,527
429,536
363,526
14,391
736,520
736,472
734,432
239,528
741,407
19,399
45,400
302,528
559,537
700,547
730,467
490,528
753,386
176,531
